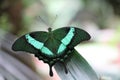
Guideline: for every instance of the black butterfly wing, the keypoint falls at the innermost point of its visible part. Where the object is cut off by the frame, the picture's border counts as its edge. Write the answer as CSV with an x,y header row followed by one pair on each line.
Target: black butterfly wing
x,y
79,35
21,43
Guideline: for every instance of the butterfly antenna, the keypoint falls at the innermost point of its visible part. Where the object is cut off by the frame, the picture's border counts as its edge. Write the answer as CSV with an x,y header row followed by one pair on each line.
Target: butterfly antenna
x,y
53,20
47,24
39,18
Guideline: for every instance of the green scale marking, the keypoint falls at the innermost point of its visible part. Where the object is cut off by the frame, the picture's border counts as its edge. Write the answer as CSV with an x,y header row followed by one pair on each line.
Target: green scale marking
x,y
66,40
38,45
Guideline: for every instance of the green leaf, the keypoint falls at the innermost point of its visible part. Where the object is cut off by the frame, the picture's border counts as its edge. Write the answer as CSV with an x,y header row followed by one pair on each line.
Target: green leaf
x,y
78,68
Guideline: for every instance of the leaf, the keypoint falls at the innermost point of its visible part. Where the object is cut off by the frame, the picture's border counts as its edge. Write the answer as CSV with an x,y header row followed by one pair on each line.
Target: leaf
x,y
78,69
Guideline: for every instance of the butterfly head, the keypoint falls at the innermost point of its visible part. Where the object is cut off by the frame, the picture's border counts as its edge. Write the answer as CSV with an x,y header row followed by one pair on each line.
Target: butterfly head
x,y
49,29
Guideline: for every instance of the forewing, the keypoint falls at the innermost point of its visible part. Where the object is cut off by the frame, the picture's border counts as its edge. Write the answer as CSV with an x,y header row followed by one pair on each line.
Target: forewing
x,y
21,44
79,35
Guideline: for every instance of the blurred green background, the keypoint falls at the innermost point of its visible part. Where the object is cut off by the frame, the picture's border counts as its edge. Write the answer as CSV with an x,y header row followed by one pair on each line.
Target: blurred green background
x,y
100,18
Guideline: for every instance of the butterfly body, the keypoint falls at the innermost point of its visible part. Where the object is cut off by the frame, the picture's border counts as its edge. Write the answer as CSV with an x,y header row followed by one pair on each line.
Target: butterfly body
x,y
53,46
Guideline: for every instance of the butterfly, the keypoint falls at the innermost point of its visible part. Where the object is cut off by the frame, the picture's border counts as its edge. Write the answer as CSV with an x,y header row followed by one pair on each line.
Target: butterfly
x,y
52,46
